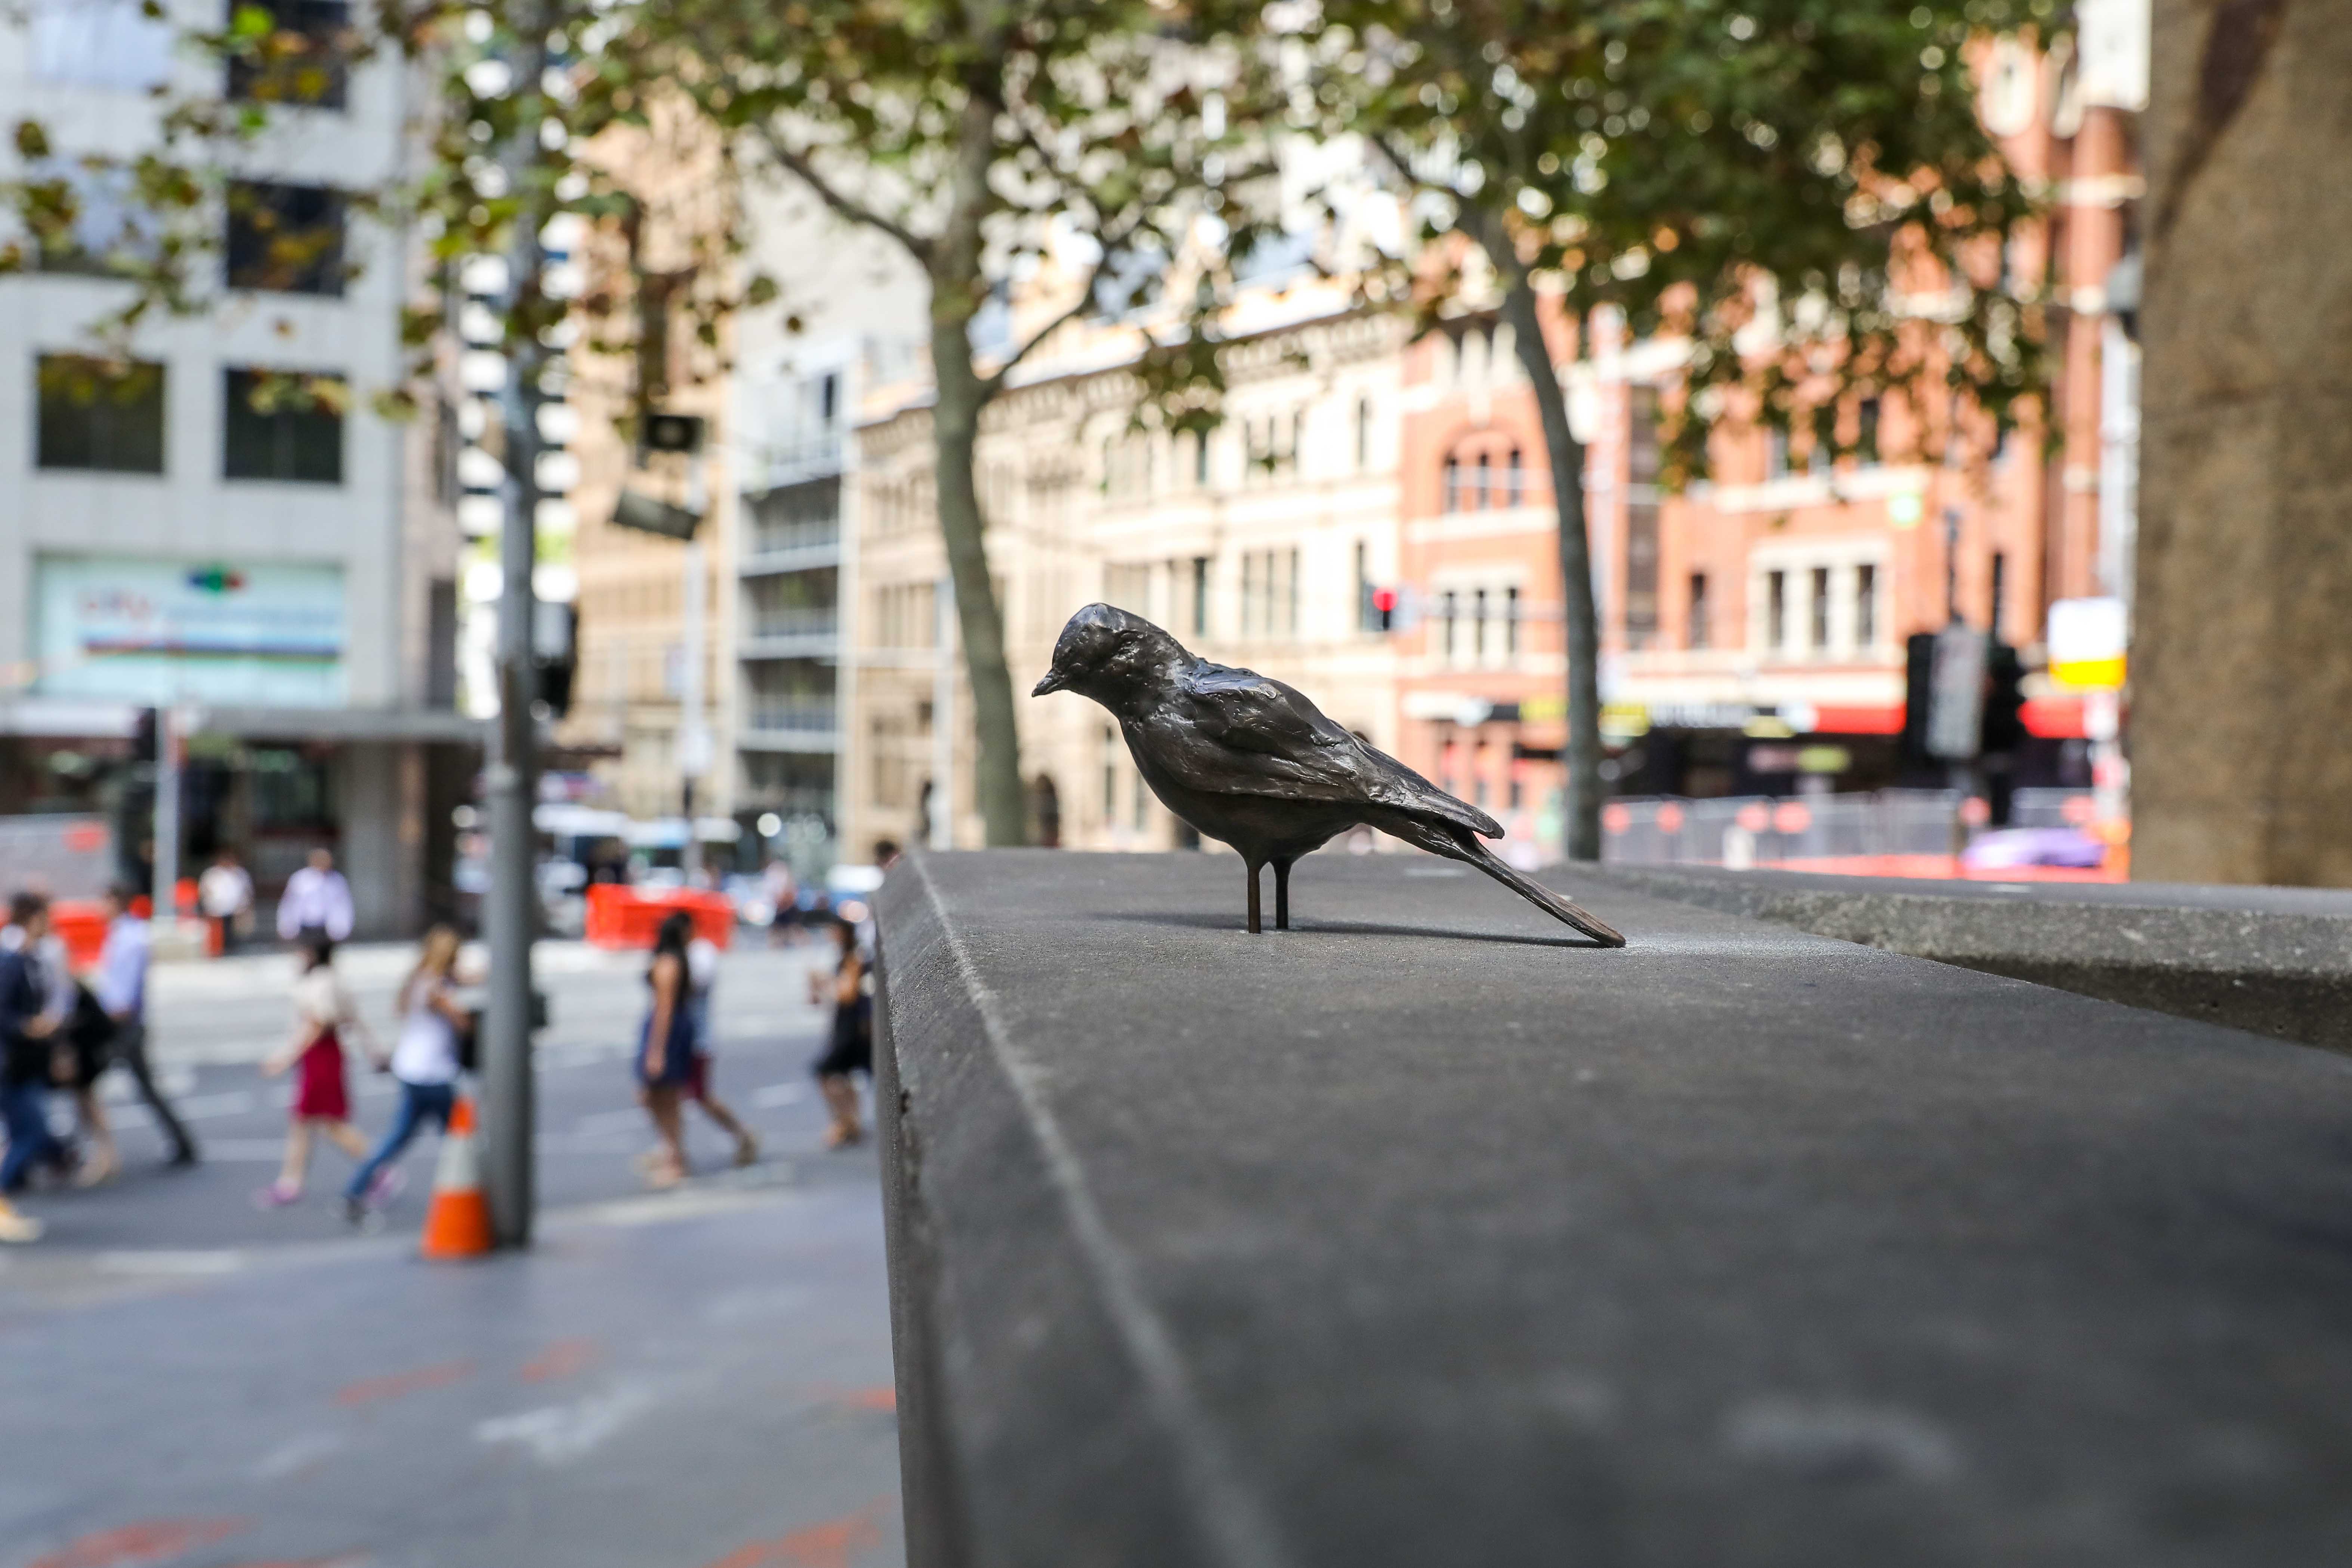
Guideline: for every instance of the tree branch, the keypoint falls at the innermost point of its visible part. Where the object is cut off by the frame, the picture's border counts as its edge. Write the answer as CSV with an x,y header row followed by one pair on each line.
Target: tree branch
x,y
798,165
994,384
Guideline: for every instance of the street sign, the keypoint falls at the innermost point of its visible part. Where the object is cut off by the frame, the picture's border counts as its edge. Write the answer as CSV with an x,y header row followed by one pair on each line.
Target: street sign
x,y
1955,685
2086,643
647,515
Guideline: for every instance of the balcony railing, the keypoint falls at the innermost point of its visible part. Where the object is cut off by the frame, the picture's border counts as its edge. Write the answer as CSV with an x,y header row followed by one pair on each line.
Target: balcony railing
x,y
792,715
800,533
793,621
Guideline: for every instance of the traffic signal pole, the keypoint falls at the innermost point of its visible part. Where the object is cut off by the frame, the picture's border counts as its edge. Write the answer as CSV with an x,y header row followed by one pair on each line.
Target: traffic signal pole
x,y
511,916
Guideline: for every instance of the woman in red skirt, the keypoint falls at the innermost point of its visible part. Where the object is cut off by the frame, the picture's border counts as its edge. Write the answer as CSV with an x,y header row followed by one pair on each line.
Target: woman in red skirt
x,y
322,1016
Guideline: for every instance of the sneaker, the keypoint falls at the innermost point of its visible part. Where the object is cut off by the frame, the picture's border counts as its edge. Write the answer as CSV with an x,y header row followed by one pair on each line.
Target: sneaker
x,y
18,1228
389,1183
277,1195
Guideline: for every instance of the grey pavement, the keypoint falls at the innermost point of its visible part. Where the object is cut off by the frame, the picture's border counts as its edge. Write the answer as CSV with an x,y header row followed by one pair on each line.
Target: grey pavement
x,y
692,1378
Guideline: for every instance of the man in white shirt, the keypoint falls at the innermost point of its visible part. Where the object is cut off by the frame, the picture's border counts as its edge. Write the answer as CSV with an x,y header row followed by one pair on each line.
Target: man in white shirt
x,y
119,980
316,897
225,892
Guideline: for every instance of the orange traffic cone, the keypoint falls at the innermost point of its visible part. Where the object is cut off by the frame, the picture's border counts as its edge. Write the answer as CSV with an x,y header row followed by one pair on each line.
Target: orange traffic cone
x,y
457,1221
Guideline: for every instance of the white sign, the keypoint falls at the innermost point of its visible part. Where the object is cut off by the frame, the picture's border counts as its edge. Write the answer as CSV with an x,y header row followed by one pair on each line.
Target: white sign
x,y
155,632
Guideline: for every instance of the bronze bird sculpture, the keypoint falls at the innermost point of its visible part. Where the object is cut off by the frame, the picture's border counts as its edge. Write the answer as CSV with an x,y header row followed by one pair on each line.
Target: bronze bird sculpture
x,y
1251,762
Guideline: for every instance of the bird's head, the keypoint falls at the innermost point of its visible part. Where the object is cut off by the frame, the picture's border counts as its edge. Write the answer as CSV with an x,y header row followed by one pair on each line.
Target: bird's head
x,y
1108,654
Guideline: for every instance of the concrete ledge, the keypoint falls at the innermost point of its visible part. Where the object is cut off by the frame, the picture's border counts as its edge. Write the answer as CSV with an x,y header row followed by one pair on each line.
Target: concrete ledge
x,y
2277,961
1424,1235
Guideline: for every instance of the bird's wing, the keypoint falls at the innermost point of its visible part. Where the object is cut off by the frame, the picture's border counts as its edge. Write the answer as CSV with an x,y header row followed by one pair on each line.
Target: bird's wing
x,y
1236,731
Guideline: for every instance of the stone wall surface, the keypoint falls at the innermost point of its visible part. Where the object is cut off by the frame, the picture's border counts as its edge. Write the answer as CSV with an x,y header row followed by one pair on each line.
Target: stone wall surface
x,y
1426,1234
2241,673
2277,961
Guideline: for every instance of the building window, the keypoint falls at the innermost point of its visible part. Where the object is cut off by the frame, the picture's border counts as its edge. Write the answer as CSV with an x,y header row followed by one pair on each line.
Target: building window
x,y
285,238
277,426
1363,433
1865,607
99,414
1700,635
100,43
1448,606
304,59
1820,609
1776,610
1291,594
1453,498
1367,618
1478,625
1110,776
92,221
1776,454
1514,480
1511,623
1200,595
1865,438
1200,459
1484,495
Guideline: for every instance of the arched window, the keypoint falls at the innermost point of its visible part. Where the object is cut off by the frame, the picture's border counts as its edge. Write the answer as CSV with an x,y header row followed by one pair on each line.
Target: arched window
x,y
1452,498
1515,481
1363,433
1483,494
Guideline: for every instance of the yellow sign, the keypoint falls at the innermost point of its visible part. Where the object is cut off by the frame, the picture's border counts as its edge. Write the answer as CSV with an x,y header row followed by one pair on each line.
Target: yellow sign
x,y
2089,674
1548,709
1624,721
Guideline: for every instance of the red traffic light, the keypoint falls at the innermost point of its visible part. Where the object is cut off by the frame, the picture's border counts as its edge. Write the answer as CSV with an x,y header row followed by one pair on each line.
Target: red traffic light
x,y
1384,600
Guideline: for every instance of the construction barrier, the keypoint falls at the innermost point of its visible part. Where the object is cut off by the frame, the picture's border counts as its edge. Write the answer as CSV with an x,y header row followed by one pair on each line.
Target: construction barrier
x,y
620,916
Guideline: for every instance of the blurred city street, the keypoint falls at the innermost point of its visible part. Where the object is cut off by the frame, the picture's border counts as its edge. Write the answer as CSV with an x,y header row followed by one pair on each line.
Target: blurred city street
x,y
691,1377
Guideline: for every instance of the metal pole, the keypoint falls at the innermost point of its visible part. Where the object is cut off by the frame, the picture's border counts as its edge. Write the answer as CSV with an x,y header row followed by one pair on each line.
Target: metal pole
x,y
693,737
512,917
1951,565
943,823
165,890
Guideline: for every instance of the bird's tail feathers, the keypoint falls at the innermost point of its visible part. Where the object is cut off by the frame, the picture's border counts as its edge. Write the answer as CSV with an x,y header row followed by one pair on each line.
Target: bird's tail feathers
x,y
1461,844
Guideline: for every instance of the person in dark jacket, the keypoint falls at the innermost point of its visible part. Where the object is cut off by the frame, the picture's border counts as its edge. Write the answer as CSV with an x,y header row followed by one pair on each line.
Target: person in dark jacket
x,y
28,1053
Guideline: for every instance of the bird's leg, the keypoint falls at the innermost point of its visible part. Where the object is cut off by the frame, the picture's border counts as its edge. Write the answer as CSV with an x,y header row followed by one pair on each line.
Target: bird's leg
x,y
1282,895
1253,866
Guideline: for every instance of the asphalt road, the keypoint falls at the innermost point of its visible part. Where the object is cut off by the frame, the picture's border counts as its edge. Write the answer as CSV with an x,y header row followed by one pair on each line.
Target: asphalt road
x,y
693,1379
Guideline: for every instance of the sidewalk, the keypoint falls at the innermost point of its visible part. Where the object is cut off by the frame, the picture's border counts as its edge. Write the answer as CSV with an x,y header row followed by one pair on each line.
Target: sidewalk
x,y
699,1379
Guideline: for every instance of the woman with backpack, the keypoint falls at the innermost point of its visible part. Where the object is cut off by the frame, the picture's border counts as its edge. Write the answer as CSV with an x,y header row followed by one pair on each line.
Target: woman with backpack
x,y
425,1062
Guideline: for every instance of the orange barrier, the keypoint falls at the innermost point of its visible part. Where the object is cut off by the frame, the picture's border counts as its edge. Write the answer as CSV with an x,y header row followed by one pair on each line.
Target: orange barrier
x,y
82,923
457,1222
624,917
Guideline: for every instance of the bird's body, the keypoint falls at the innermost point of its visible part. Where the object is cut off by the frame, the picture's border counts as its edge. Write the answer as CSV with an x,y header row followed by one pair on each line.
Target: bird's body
x,y
1251,763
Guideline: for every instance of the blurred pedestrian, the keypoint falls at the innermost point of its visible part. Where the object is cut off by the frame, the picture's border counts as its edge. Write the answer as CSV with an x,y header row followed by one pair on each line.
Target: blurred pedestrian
x,y
665,1050
851,1048
316,897
119,980
425,1061
224,895
701,976
783,891
27,1049
323,1014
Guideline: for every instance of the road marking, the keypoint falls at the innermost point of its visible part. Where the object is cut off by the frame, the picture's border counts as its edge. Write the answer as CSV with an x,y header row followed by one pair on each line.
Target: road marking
x,y
831,1545
297,1455
561,1359
395,1385
200,1106
148,1540
164,1260
559,1434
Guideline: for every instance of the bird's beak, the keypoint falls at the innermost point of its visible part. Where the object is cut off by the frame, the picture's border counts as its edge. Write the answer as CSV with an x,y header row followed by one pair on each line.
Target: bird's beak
x,y
1052,682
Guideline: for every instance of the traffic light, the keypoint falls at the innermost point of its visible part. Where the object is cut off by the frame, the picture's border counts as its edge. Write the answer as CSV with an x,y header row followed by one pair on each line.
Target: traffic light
x,y
143,737
2004,706
1918,695
555,653
1385,604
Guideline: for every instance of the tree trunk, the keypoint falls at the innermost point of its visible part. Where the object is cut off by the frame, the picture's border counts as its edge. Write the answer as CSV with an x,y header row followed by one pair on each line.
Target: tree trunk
x,y
1581,753
955,434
